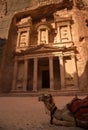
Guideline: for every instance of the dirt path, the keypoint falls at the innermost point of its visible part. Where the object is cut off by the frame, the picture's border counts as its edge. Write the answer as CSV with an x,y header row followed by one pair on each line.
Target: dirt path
x,y
27,113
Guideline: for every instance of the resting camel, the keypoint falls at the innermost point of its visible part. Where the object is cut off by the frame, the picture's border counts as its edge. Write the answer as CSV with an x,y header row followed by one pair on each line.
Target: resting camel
x,y
74,113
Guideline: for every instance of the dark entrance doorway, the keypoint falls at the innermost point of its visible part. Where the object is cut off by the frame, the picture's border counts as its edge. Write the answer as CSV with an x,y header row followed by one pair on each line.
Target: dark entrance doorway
x,y
45,79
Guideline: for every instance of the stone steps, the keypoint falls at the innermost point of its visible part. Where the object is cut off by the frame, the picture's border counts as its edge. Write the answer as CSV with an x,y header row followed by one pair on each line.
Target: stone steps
x,y
54,93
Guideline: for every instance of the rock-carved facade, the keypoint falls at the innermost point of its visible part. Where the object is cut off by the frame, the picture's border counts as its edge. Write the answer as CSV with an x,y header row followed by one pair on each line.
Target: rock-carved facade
x,y
47,45
45,54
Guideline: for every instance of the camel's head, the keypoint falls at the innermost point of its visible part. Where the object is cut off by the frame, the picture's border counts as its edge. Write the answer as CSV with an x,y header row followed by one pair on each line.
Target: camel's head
x,y
46,98
48,101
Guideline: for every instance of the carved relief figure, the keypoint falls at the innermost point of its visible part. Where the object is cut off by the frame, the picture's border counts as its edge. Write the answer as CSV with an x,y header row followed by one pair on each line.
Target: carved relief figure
x,y
4,8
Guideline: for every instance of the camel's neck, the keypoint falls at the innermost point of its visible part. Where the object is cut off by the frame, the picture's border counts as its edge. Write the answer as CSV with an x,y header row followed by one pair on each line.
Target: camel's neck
x,y
50,106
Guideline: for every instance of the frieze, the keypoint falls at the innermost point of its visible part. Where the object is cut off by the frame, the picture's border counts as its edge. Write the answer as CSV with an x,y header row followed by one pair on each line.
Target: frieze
x,y
43,49
44,54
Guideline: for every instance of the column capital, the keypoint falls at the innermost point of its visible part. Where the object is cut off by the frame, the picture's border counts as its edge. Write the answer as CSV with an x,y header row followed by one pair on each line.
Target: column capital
x,y
15,60
50,57
26,60
19,31
61,56
73,56
35,58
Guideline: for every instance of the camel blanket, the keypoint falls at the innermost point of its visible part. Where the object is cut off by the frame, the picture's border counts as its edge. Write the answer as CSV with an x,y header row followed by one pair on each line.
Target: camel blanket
x,y
79,109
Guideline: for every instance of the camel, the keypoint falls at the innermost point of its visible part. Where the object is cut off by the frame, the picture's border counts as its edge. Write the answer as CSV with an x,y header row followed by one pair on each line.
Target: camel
x,y
71,115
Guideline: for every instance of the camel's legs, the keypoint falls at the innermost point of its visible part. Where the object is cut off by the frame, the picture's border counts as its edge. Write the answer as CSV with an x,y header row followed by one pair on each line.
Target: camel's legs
x,y
63,123
68,117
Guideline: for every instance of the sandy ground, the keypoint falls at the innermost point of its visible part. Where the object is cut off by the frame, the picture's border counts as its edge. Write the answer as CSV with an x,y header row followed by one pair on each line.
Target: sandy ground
x,y
27,113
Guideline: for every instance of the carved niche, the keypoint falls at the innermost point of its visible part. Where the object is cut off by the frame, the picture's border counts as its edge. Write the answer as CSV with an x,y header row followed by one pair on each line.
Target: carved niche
x,y
24,31
3,8
43,28
63,26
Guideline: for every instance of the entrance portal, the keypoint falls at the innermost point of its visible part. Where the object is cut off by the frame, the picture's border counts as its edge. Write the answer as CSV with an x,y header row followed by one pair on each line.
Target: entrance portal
x,y
45,79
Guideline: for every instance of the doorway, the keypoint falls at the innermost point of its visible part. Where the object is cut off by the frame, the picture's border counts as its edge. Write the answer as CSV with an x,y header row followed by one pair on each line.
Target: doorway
x,y
45,79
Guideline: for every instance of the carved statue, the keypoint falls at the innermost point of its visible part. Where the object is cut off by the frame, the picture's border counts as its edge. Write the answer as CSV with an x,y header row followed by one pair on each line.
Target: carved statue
x,y
3,8
79,3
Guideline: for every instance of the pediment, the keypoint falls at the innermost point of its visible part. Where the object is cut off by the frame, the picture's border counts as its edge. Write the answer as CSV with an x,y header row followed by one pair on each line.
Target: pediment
x,y
42,47
38,49
24,22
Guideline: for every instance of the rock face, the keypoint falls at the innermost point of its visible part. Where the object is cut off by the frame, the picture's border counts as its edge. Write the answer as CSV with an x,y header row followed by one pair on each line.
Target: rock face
x,y
44,45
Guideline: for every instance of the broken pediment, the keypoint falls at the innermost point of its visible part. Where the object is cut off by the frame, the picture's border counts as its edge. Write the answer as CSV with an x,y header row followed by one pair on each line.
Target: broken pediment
x,y
62,15
24,21
43,8
43,24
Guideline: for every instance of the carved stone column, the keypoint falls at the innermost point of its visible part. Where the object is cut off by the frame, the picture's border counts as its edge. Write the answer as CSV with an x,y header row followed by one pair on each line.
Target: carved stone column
x,y
58,38
75,75
39,37
14,75
18,40
35,74
51,73
28,37
47,36
25,75
74,3
69,32
62,72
